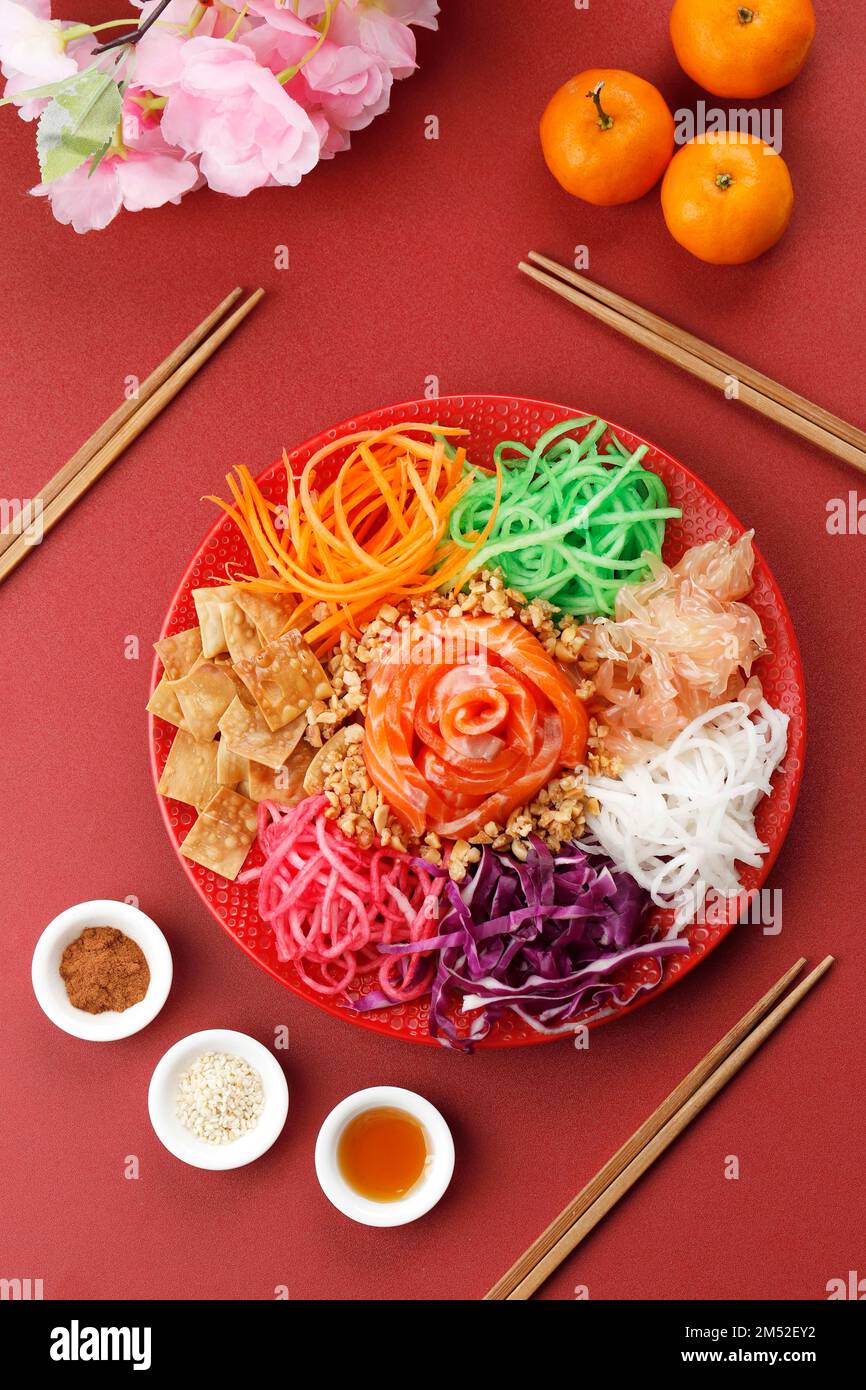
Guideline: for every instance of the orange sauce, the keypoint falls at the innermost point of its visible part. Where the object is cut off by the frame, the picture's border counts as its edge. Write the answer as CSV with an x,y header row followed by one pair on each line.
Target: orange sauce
x,y
382,1153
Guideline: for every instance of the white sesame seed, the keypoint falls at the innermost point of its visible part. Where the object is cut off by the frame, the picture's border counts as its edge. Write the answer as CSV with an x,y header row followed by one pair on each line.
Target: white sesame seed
x,y
219,1098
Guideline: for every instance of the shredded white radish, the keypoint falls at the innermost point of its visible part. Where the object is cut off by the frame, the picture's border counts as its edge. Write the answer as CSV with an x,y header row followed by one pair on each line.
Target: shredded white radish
x,y
679,818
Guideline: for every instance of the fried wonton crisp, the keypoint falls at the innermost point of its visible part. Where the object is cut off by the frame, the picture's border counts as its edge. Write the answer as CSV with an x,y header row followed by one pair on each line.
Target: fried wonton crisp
x,y
165,704
190,772
208,607
247,734
271,613
284,679
180,652
204,696
231,767
242,638
221,837
284,785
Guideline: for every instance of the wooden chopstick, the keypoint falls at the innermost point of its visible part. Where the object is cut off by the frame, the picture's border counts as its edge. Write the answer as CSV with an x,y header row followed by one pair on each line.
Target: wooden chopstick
x,y
648,1142
68,485
731,366
647,1131
683,357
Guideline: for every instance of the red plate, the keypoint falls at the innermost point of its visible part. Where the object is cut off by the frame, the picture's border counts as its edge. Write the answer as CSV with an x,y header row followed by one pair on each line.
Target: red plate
x,y
488,420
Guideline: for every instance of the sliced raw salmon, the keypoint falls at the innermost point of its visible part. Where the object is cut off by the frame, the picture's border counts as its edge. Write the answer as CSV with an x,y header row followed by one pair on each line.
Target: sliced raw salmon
x,y
469,721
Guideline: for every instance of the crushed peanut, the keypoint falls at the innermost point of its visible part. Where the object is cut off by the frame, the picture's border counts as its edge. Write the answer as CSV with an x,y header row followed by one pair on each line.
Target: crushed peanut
x,y
559,633
346,673
600,762
462,855
555,816
354,802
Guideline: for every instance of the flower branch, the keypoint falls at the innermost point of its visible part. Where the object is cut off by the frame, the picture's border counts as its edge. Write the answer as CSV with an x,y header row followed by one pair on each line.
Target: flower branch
x,y
137,34
235,94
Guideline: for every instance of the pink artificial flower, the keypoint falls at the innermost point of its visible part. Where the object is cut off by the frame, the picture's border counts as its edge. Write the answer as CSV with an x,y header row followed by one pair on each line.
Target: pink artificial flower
x,y
173,22
225,107
373,28
332,140
32,52
311,9
148,174
350,85
158,62
226,119
420,12
280,15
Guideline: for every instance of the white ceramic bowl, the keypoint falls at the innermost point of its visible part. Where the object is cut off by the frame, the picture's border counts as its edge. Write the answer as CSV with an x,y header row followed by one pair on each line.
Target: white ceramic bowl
x,y
429,1187
162,1100
50,990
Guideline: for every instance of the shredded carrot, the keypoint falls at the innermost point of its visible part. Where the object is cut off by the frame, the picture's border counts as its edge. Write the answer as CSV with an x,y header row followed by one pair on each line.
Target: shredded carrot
x,y
377,532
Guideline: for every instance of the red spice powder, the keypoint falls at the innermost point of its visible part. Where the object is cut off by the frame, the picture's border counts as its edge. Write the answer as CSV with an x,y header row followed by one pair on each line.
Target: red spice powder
x,y
104,970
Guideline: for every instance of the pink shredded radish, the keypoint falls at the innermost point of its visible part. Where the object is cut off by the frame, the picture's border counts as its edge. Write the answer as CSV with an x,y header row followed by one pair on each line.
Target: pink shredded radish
x,y
331,902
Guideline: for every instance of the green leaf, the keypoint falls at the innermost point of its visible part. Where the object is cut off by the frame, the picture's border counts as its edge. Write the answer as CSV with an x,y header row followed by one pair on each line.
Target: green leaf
x,y
34,93
97,159
79,123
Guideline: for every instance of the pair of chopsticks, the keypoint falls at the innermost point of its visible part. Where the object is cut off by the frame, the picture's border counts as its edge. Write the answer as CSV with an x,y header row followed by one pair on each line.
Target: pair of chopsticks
x,y
700,359
656,1134
126,423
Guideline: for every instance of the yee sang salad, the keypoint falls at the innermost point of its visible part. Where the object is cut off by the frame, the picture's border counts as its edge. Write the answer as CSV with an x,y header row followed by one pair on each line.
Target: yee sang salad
x,y
484,739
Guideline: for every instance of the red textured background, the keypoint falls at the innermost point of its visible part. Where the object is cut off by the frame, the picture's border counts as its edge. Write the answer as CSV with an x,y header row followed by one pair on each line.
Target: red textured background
x,y
402,265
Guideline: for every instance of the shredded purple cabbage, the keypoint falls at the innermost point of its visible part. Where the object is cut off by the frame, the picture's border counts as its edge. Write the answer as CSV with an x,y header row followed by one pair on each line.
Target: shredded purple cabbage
x,y
543,937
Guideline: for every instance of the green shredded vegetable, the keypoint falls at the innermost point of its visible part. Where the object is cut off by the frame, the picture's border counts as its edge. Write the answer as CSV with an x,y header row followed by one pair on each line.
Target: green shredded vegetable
x,y
576,519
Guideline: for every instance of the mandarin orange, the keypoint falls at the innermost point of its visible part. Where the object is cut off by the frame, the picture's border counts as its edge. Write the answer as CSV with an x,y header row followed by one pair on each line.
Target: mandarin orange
x,y
727,198
607,136
742,50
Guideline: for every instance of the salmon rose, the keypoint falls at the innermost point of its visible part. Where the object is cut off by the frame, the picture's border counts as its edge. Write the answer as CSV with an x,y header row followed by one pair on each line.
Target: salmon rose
x,y
466,721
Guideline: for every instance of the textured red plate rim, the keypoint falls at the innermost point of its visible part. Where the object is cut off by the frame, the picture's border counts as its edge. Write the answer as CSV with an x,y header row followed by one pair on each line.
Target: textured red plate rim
x,y
685,963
